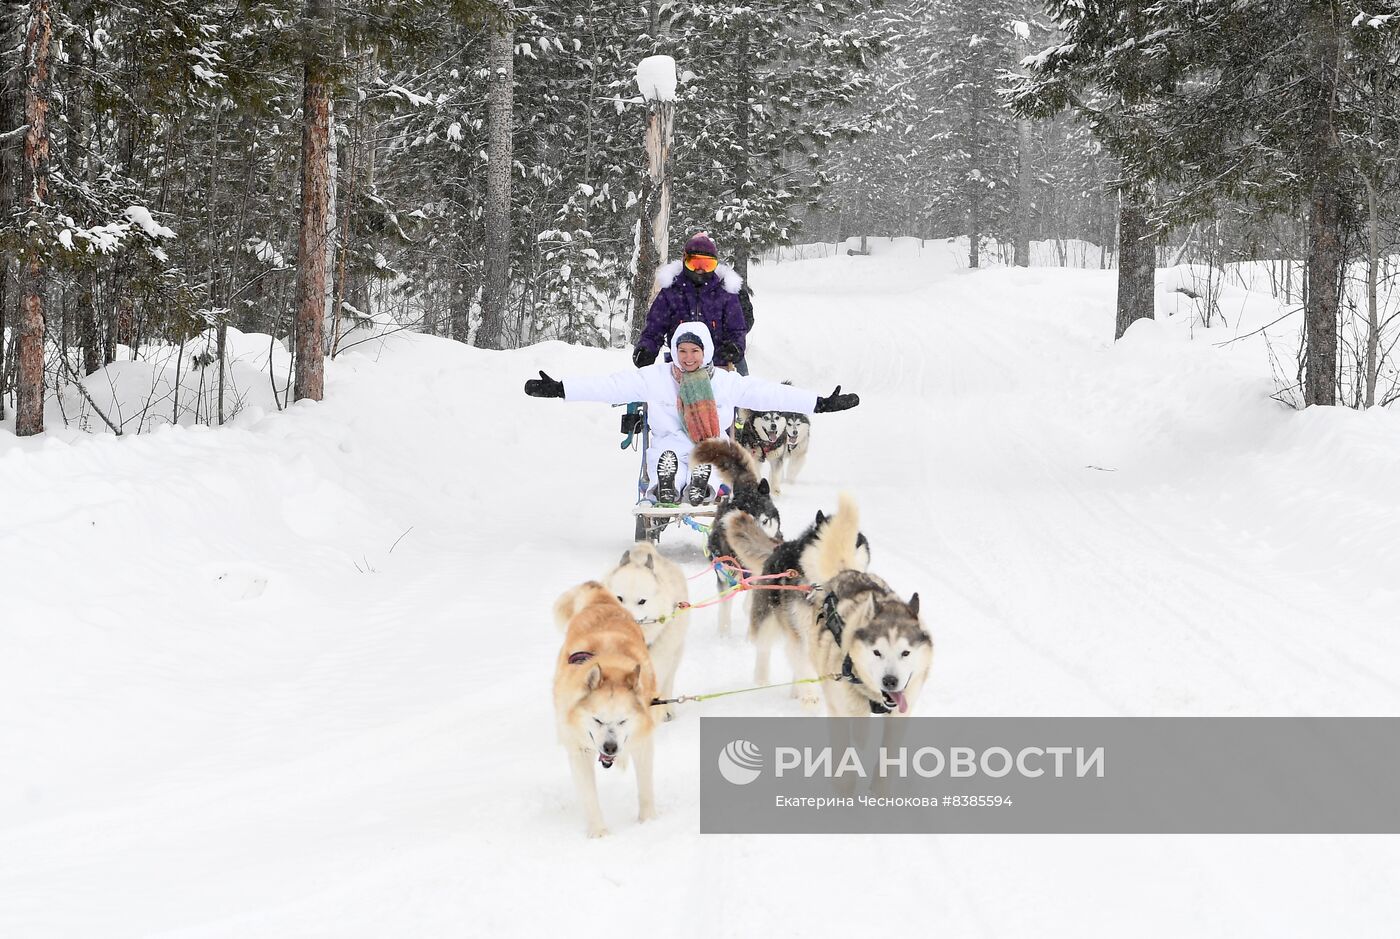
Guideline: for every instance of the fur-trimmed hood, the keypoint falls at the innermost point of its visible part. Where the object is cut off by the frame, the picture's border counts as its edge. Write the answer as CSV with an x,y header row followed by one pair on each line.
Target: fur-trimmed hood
x,y
668,274
702,332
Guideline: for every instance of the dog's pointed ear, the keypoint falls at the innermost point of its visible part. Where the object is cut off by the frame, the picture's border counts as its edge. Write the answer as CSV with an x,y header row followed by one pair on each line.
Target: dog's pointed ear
x,y
634,679
626,558
595,678
763,486
914,604
821,519
650,563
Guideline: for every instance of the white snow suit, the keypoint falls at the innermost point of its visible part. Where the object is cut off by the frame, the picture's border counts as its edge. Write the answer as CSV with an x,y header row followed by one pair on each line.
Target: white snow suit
x,y
655,385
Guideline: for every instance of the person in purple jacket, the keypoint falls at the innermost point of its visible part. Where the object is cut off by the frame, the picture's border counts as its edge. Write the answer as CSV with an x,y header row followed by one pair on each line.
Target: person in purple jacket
x,y
697,288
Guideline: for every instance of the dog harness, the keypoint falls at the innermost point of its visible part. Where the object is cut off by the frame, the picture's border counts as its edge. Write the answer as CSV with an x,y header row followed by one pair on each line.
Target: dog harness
x,y
768,446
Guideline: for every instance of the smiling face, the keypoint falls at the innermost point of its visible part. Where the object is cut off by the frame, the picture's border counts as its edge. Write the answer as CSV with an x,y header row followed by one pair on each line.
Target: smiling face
x,y
770,426
690,356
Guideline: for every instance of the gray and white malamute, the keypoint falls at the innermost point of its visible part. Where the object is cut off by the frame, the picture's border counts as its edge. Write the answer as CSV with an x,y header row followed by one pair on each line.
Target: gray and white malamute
x,y
799,437
652,588
832,544
874,640
749,496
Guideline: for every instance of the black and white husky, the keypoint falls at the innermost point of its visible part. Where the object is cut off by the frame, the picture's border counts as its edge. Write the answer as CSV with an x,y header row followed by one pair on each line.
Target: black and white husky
x,y
764,435
831,544
749,497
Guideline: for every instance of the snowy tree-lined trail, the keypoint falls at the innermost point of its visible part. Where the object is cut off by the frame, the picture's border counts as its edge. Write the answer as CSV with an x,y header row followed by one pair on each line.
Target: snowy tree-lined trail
x,y
301,687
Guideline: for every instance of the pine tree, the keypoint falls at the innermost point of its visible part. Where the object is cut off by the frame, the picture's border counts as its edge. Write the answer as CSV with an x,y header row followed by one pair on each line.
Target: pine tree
x,y
1116,61
774,86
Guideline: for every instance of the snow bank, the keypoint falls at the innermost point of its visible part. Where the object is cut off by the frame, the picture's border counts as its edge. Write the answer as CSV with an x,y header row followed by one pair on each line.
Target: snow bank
x,y
168,384
291,677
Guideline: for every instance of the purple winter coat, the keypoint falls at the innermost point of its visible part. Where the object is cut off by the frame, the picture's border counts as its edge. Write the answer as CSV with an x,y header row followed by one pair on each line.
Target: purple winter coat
x,y
716,304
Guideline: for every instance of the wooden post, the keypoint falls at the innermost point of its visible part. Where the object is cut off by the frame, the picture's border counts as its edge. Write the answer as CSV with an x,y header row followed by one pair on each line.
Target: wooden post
x,y
656,77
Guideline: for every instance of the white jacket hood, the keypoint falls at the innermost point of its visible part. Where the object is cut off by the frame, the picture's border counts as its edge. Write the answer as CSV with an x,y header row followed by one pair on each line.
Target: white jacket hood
x,y
702,332
667,274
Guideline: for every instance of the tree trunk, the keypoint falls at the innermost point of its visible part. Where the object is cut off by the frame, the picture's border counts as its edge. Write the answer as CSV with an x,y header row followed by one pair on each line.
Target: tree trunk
x,y
974,227
11,105
312,244
500,103
333,277
743,113
1137,262
29,379
1023,195
1325,217
1373,262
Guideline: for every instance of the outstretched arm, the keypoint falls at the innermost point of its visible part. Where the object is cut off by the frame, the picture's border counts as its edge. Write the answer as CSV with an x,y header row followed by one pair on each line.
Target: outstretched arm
x,y
758,394
617,388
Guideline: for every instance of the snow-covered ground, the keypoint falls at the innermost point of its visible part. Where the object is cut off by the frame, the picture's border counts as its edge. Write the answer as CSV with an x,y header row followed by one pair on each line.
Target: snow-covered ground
x,y
291,677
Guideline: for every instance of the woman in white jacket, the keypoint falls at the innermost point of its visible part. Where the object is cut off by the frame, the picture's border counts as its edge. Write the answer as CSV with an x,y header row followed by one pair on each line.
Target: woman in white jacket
x,y
688,400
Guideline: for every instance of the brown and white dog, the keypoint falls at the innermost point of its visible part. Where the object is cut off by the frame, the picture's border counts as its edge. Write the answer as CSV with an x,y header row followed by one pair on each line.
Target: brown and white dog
x,y
603,688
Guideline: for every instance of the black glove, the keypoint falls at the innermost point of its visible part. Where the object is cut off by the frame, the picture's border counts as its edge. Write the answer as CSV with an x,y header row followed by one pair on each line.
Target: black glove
x,y
836,401
545,387
642,356
730,352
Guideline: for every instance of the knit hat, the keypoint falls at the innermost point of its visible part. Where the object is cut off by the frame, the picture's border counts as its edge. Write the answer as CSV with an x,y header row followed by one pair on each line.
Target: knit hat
x,y
701,243
690,338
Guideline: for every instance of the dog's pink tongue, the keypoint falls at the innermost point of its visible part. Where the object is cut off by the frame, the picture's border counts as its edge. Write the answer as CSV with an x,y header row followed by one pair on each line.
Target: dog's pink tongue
x,y
900,700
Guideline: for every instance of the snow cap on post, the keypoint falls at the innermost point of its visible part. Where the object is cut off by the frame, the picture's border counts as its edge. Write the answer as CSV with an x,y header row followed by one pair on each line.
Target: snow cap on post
x,y
656,77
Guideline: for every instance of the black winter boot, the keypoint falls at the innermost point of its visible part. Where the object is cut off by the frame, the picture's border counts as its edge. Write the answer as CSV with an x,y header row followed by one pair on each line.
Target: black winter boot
x,y
666,468
699,489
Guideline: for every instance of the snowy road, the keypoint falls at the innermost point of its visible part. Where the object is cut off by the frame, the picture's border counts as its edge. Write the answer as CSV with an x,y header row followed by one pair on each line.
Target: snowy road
x,y
291,678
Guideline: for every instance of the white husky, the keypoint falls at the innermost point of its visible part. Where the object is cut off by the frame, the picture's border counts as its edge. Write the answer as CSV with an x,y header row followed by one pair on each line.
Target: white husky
x,y
652,589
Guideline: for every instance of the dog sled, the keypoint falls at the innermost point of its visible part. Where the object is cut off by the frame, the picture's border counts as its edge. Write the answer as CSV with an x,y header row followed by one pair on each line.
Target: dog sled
x,y
651,519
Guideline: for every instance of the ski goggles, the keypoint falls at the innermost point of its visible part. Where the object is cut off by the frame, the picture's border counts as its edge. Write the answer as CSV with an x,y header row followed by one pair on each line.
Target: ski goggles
x,y
701,262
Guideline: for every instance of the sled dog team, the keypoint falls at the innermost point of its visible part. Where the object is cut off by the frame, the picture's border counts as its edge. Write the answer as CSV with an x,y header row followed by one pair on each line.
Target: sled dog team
x,y
624,635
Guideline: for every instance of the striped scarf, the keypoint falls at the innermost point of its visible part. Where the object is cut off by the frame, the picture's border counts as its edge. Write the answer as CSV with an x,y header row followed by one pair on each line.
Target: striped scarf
x,y
695,400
